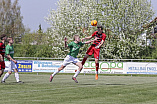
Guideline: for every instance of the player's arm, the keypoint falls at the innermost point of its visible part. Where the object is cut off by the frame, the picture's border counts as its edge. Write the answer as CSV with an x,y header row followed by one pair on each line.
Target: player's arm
x,y
89,37
1,57
10,58
87,42
102,42
65,42
6,57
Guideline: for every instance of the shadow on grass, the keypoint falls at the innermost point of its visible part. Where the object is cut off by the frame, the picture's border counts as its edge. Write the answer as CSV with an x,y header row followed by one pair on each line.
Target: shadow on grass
x,y
11,83
87,84
113,84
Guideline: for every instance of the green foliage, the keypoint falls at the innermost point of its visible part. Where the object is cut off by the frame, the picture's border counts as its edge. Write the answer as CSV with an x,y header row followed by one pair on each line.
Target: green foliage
x,y
154,54
33,51
122,19
123,22
11,19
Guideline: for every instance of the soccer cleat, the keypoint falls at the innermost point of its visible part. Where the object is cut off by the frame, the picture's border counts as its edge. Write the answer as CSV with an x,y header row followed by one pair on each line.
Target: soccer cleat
x,y
73,78
50,78
2,81
96,77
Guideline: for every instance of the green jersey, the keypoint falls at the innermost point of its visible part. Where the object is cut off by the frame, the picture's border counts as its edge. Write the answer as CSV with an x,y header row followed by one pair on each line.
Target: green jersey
x,y
9,50
74,48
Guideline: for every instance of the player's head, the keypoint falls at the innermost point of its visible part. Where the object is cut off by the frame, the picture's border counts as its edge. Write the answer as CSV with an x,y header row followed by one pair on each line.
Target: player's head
x,y
76,38
3,37
100,29
10,40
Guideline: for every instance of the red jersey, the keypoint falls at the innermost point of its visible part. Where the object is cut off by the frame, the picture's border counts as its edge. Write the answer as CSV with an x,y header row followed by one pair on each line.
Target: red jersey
x,y
100,36
2,49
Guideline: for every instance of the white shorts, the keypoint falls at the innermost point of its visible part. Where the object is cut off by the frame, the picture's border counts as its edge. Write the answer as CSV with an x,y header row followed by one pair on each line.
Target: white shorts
x,y
10,65
69,59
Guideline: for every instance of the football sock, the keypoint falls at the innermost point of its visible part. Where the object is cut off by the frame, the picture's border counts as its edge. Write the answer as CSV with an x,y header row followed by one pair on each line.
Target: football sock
x,y
55,73
97,67
5,76
76,74
17,77
83,61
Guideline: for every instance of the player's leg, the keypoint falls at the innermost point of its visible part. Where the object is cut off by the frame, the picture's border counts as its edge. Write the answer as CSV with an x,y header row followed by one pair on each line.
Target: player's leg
x,y
79,64
2,67
84,59
14,67
59,69
1,72
6,76
17,76
97,67
66,61
96,56
89,52
8,68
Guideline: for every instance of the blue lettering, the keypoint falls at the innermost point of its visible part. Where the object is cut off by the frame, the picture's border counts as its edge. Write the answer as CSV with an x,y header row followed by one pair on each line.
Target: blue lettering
x,y
142,68
151,68
130,68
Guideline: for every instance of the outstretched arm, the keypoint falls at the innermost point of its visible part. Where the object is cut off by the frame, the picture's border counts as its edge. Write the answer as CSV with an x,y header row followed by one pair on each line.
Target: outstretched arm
x,y
65,42
91,41
102,42
86,38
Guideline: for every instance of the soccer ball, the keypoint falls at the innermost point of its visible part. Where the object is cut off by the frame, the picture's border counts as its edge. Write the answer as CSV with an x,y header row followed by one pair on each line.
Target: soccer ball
x,y
93,22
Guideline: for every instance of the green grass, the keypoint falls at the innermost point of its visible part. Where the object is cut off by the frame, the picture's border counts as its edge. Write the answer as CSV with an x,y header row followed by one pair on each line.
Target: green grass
x,y
63,90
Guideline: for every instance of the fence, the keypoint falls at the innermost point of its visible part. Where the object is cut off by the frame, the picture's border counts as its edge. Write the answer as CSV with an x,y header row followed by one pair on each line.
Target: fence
x,y
89,59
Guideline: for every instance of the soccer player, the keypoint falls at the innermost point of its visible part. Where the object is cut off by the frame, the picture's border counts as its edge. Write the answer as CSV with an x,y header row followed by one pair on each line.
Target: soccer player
x,y
3,38
72,57
95,47
11,63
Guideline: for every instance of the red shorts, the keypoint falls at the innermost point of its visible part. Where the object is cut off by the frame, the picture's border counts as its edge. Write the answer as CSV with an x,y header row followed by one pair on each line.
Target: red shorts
x,y
2,65
92,50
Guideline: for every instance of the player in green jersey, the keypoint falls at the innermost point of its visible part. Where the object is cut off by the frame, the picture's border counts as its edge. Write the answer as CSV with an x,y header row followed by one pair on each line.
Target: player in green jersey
x,y
11,63
72,57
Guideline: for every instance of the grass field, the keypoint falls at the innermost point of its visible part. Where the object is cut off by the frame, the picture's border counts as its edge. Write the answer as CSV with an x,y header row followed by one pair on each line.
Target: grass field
x,y
63,90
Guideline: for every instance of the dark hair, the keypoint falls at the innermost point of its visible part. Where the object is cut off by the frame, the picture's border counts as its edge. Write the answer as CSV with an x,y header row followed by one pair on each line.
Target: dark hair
x,y
9,39
2,36
99,26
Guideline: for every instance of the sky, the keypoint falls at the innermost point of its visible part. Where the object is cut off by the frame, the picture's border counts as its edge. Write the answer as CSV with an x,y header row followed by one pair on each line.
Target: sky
x,y
34,11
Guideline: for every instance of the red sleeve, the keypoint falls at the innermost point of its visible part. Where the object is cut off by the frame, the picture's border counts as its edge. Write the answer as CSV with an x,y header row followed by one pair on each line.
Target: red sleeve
x,y
104,37
94,33
0,45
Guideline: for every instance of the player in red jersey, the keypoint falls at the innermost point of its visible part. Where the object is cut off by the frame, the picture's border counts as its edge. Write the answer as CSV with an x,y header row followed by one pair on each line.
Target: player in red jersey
x,y
95,47
3,38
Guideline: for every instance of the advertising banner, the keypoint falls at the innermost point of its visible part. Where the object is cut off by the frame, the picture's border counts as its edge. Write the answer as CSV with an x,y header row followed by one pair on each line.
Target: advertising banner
x,y
141,68
89,67
104,67
24,65
46,66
